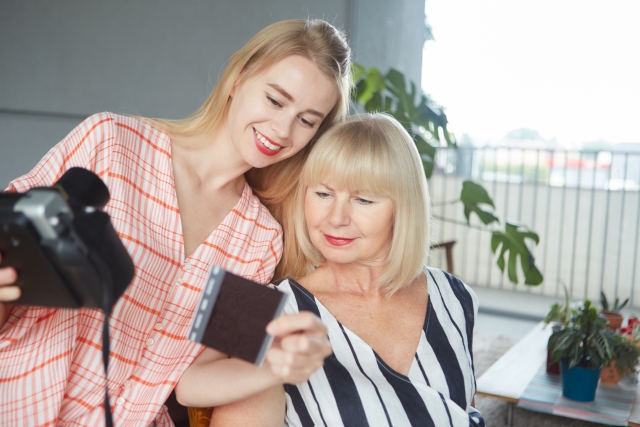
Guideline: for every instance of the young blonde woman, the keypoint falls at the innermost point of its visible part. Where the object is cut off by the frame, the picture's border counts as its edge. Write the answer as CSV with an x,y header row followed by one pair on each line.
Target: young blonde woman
x,y
180,203
401,332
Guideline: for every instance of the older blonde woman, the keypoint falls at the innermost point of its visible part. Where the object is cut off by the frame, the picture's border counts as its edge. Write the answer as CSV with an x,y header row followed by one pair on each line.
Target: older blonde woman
x,y
401,332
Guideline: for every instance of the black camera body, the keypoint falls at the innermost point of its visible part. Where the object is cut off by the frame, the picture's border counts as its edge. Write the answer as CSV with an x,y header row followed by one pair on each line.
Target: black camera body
x,y
63,246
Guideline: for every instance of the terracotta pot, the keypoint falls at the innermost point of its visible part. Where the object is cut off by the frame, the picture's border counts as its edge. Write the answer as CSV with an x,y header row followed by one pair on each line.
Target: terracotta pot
x,y
615,319
609,374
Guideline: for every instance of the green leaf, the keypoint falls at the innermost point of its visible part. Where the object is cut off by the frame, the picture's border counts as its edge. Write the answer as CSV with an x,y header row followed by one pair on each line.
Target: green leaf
x,y
374,84
472,196
495,242
374,104
513,242
533,276
513,275
428,167
475,193
424,147
360,89
451,141
388,103
357,72
500,261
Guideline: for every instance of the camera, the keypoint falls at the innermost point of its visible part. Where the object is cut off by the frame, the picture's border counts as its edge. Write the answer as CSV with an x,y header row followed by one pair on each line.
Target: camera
x,y
63,246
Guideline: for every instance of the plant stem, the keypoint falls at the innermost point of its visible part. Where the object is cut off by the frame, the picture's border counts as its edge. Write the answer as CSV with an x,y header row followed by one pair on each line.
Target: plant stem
x,y
450,202
455,221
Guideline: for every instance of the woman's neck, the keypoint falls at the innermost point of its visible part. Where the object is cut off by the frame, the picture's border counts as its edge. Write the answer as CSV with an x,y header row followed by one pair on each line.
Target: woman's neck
x,y
348,278
208,160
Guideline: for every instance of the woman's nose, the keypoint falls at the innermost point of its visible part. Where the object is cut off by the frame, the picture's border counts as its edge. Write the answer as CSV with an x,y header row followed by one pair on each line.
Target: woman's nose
x,y
281,125
339,214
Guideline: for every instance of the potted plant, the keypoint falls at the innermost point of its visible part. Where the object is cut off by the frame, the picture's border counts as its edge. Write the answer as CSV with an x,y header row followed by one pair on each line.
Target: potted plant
x,y
582,347
559,315
612,312
626,352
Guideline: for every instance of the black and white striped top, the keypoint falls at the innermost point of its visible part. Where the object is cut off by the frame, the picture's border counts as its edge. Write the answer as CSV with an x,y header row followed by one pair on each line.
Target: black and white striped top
x,y
357,388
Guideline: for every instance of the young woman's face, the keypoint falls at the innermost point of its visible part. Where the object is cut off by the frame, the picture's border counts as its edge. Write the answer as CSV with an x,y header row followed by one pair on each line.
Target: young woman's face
x,y
275,114
349,226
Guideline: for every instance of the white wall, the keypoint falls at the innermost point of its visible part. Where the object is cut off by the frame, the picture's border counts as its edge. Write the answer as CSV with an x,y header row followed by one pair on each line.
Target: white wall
x,y
159,58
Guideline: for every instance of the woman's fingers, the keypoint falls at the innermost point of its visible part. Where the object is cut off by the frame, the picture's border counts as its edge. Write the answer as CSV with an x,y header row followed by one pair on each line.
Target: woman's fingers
x,y
303,322
306,344
293,368
7,277
299,347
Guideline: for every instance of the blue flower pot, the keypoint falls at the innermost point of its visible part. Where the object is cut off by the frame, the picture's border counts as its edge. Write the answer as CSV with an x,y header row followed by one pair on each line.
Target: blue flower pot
x,y
579,383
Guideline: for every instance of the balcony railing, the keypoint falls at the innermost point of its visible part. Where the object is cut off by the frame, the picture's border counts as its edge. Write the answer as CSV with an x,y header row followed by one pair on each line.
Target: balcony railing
x,y
584,205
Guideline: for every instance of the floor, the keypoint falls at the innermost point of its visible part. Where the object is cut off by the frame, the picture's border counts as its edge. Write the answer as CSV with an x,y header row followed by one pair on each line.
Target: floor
x,y
489,324
513,314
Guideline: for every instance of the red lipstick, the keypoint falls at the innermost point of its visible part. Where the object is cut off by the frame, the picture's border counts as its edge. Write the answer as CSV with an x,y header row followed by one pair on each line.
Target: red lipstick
x,y
337,241
260,146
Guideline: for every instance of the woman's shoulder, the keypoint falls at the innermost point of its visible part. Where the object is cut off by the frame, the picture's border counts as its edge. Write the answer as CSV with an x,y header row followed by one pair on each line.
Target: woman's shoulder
x,y
107,126
294,293
447,283
141,129
253,210
287,285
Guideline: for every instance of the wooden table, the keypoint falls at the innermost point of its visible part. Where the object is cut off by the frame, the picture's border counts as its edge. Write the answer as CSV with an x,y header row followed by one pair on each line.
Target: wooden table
x,y
509,376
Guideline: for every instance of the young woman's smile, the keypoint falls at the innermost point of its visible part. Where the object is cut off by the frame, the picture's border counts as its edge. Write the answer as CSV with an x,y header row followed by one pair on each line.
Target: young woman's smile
x,y
265,145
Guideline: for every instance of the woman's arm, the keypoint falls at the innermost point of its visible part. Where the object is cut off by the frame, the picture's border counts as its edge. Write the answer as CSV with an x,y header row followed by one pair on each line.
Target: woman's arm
x,y
266,409
299,347
213,380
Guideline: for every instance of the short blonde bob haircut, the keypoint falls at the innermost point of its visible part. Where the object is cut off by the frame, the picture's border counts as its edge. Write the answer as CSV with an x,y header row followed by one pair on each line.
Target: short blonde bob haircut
x,y
374,153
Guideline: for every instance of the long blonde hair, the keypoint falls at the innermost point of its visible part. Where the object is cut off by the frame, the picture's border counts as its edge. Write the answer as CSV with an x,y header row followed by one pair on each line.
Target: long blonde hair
x,y
315,40
371,152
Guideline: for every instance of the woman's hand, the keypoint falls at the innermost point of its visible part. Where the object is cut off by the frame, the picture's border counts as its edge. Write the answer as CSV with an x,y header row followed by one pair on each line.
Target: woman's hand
x,y
8,293
8,277
299,347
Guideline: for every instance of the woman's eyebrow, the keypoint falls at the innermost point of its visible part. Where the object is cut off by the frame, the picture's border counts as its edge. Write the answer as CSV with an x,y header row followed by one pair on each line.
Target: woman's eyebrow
x,y
290,98
282,91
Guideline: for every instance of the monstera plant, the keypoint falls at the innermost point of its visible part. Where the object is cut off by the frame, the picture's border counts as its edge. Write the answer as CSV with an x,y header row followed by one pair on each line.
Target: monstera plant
x,y
427,124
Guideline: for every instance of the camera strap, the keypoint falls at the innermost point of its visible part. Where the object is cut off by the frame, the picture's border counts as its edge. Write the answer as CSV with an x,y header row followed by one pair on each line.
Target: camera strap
x,y
105,362
107,285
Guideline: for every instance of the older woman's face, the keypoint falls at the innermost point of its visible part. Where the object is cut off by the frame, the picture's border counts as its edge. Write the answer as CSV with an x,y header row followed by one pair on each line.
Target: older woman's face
x,y
349,226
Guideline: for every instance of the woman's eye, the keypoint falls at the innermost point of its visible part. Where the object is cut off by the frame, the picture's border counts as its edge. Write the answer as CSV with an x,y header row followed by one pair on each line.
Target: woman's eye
x,y
274,102
364,201
322,195
307,122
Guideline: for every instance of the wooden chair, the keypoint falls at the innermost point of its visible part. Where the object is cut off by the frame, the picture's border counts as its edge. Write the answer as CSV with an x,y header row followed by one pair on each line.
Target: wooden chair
x,y
448,248
200,417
